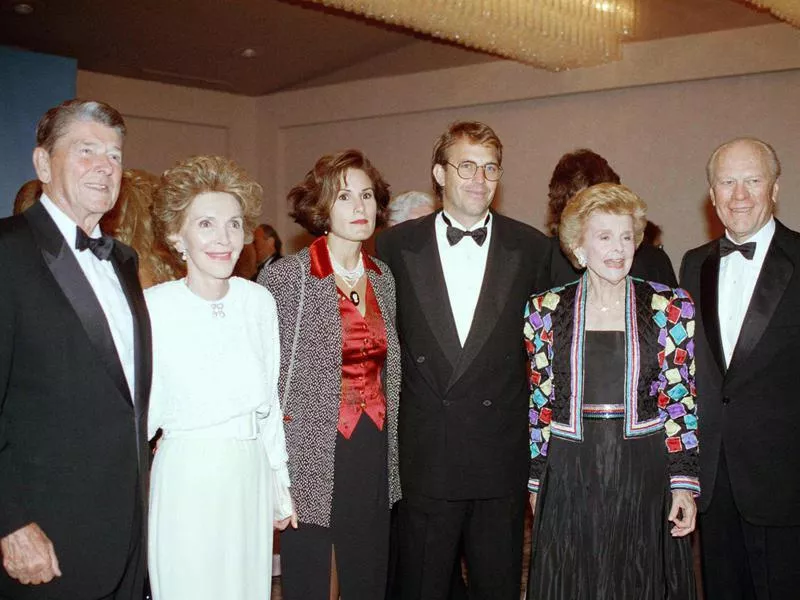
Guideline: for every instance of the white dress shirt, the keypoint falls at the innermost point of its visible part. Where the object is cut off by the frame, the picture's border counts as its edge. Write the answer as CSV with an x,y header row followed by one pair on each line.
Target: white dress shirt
x,y
463,265
737,280
106,288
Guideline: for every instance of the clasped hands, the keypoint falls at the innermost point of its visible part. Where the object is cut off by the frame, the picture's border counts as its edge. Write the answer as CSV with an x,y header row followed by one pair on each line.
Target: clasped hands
x,y
29,555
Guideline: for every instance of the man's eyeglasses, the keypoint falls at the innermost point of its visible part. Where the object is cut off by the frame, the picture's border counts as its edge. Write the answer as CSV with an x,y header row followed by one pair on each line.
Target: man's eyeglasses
x,y
467,169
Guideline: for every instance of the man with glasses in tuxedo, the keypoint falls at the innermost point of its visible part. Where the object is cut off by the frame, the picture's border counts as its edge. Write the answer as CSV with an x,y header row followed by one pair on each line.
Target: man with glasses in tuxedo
x,y
463,276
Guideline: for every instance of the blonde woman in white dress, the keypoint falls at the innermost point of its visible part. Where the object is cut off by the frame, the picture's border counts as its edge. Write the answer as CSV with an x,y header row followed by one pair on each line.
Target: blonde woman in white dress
x,y
219,481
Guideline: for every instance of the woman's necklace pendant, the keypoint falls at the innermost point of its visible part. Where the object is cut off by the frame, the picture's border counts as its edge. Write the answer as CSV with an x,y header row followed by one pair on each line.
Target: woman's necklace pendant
x,y
355,298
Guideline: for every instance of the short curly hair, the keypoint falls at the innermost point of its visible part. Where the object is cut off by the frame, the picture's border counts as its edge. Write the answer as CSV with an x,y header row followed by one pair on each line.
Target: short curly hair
x,y
575,171
607,198
189,178
311,199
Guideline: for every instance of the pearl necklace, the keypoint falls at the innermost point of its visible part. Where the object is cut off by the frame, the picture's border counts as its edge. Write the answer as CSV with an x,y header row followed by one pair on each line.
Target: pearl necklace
x,y
350,277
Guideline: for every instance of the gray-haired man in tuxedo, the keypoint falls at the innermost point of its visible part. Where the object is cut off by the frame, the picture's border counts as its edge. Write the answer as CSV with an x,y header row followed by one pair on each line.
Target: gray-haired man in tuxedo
x,y
74,375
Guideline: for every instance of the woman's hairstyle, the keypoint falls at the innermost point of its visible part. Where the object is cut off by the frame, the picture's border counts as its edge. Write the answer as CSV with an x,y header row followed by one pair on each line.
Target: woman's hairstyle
x,y
401,205
575,171
198,175
474,132
27,195
130,222
606,198
55,121
311,199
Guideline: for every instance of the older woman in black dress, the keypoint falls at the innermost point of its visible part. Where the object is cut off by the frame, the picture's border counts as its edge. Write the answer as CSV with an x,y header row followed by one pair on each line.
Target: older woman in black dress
x,y
339,385
612,414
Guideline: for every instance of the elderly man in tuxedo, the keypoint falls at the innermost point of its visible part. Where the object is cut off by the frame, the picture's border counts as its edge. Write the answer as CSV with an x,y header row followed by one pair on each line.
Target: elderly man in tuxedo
x,y
74,375
746,286
463,276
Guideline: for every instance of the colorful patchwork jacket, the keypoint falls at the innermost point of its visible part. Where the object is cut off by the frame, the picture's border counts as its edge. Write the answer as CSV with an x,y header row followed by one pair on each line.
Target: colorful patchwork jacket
x,y
659,379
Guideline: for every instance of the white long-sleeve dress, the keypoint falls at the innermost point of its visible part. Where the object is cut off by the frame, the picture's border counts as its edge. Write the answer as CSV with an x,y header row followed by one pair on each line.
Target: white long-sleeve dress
x,y
219,477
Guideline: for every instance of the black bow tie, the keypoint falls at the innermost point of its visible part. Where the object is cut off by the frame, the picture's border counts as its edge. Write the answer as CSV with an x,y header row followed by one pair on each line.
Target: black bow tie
x,y
455,235
101,247
748,249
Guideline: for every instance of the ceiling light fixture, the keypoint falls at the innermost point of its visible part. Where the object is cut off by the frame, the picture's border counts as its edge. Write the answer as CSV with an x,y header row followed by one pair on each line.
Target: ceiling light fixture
x,y
787,10
23,8
554,34
248,53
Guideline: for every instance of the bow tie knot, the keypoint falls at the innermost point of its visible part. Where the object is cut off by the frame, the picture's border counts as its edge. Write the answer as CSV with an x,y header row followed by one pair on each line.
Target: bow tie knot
x,y
101,247
726,247
455,235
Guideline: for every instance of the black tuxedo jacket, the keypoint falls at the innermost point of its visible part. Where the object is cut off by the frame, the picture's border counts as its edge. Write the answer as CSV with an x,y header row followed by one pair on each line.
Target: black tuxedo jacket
x,y
73,448
463,411
751,410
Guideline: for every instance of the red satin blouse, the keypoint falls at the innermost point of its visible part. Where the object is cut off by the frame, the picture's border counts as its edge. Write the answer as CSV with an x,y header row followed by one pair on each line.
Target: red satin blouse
x,y
363,354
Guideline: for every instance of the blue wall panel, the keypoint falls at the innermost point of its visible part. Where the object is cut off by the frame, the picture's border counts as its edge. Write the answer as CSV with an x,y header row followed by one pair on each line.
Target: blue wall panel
x,y
30,83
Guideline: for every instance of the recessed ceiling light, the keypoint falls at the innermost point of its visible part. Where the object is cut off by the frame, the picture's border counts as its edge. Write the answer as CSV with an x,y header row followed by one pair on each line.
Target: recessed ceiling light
x,y
23,8
248,53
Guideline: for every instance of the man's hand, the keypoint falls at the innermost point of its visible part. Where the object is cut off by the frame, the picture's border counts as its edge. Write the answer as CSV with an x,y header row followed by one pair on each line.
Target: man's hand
x,y
29,556
532,500
682,513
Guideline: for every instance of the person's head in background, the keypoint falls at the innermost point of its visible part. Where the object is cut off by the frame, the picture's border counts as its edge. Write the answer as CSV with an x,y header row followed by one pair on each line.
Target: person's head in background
x,y
267,244
410,205
574,172
27,196
652,235
131,222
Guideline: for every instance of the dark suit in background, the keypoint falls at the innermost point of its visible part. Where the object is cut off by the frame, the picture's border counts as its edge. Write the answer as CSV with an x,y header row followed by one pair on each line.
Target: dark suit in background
x,y
463,411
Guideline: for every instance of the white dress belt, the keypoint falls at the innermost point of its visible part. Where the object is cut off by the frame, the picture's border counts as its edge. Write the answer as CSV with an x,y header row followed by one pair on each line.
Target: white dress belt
x,y
244,427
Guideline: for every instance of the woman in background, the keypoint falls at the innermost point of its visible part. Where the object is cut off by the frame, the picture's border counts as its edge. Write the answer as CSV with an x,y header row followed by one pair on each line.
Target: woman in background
x,y
340,382
575,171
219,480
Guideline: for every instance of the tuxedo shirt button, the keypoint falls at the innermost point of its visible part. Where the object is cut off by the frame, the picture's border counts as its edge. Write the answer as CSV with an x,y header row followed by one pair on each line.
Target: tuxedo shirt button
x,y
446,403
726,400
420,359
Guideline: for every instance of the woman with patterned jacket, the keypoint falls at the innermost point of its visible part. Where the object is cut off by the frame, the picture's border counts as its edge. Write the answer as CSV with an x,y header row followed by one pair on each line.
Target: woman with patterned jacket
x,y
612,415
339,385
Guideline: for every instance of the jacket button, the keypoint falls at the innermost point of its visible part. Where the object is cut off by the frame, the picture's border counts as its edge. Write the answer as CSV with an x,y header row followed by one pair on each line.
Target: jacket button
x,y
487,402
420,359
726,400
446,403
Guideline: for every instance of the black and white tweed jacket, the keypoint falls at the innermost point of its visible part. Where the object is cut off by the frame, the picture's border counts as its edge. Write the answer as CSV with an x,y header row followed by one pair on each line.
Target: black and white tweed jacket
x,y
311,405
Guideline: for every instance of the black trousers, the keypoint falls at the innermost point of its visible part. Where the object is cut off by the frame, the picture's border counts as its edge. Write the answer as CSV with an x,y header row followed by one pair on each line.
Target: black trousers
x,y
742,561
491,530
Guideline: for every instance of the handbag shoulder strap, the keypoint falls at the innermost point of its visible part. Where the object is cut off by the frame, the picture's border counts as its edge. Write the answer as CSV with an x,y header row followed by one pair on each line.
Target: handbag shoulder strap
x,y
296,333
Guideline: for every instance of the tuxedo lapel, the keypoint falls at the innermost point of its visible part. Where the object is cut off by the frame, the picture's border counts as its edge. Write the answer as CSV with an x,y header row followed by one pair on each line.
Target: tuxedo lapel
x,y
770,286
427,278
70,278
501,265
709,301
127,273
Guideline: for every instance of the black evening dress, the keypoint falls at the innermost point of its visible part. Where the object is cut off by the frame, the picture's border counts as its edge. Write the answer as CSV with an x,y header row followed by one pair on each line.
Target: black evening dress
x,y
601,528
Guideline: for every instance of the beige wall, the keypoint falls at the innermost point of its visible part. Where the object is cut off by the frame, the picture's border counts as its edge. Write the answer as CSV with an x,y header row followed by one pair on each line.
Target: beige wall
x,y
656,116
167,123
